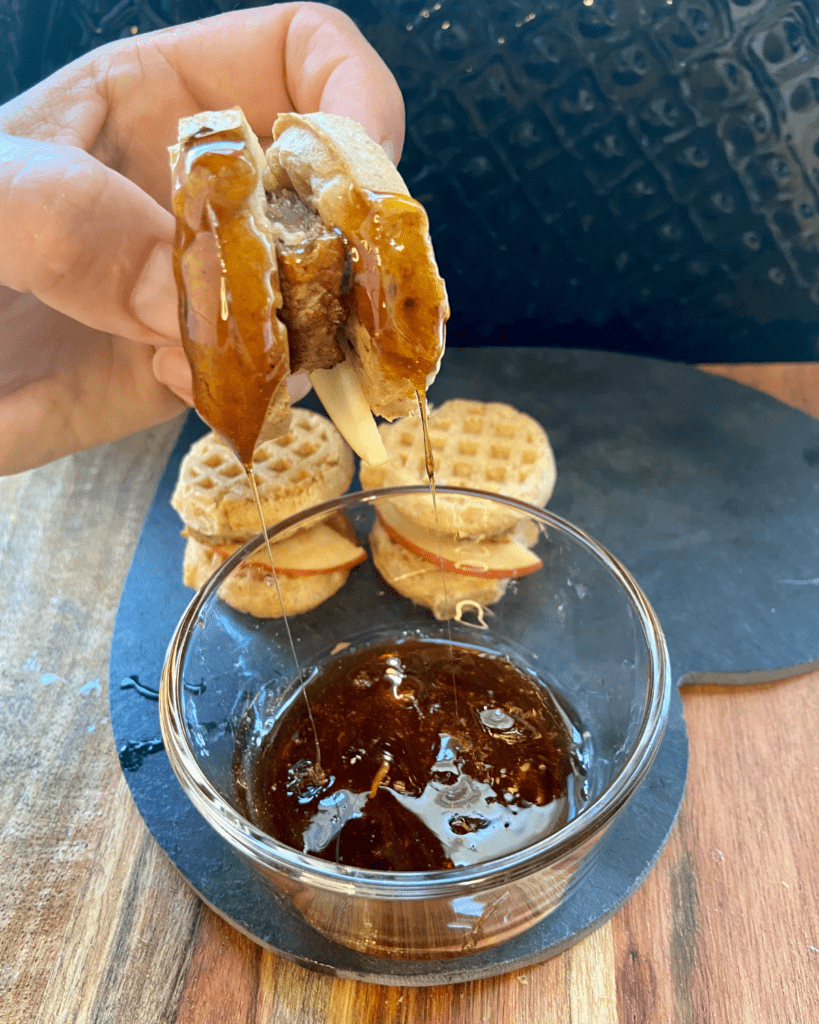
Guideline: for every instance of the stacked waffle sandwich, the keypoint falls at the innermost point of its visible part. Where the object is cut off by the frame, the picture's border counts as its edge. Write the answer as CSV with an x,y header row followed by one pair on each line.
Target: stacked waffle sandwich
x,y
307,465
479,545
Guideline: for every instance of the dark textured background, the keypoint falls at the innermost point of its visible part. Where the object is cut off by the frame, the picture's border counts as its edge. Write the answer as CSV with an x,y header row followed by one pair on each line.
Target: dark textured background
x,y
635,175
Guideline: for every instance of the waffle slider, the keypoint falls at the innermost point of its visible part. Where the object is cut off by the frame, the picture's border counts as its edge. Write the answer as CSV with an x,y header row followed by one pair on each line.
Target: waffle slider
x,y
311,257
307,465
477,546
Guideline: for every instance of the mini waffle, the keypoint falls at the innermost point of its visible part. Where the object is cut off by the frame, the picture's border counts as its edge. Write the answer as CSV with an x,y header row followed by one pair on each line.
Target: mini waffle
x,y
482,445
307,465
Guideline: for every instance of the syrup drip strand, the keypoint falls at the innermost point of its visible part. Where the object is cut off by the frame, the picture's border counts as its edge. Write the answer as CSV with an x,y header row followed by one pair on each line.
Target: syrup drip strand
x,y
300,675
429,461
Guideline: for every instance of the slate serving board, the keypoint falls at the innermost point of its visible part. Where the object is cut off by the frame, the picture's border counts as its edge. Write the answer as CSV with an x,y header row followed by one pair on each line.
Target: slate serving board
x,y
706,490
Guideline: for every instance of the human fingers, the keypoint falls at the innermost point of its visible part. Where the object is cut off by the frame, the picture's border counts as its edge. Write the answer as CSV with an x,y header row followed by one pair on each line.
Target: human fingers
x,y
171,368
329,66
291,56
86,241
83,387
98,247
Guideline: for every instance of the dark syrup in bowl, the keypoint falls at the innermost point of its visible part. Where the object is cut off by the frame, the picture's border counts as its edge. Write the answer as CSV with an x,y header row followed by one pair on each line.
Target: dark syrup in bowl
x,y
432,755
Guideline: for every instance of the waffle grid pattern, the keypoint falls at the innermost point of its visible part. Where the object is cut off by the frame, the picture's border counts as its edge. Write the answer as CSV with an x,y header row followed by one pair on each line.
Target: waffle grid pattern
x,y
488,446
308,464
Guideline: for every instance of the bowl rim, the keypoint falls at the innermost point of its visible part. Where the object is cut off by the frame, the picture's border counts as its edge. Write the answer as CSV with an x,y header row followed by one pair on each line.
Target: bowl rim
x,y
578,833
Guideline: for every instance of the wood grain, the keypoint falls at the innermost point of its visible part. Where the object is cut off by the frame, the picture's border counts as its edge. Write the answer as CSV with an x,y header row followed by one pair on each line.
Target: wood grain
x,y
795,384
97,926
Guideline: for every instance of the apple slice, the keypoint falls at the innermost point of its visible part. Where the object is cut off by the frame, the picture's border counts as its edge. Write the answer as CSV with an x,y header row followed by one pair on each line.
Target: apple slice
x,y
495,559
339,391
318,550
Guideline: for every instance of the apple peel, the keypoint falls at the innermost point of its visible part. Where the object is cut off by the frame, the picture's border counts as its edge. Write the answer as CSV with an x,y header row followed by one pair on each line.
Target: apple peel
x,y
314,552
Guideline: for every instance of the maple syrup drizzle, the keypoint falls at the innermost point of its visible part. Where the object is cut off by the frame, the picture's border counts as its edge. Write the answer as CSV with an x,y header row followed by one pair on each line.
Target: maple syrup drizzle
x,y
398,294
275,579
224,260
429,461
234,342
401,300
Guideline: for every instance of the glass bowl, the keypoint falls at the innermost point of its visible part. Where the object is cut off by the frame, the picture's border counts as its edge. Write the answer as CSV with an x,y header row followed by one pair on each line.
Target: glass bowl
x,y
579,625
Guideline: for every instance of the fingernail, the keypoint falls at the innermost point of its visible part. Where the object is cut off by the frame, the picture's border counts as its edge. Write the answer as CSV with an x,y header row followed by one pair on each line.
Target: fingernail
x,y
172,369
389,149
155,301
298,385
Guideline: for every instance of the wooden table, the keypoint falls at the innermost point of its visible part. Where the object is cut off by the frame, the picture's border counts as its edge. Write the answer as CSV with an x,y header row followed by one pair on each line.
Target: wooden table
x,y
97,926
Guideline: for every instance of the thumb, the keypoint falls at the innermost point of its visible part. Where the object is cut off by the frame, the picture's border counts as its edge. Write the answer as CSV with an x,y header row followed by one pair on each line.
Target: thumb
x,y
86,241
329,66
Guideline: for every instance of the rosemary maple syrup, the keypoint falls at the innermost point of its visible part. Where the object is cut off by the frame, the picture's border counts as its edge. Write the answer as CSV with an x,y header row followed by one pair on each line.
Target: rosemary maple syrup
x,y
411,777
234,341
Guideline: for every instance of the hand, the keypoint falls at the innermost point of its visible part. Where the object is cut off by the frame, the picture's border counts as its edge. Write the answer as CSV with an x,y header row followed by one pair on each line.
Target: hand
x,y
89,337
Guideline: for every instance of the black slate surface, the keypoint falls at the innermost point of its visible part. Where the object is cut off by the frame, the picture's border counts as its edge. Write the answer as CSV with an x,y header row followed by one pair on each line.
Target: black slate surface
x,y
706,490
